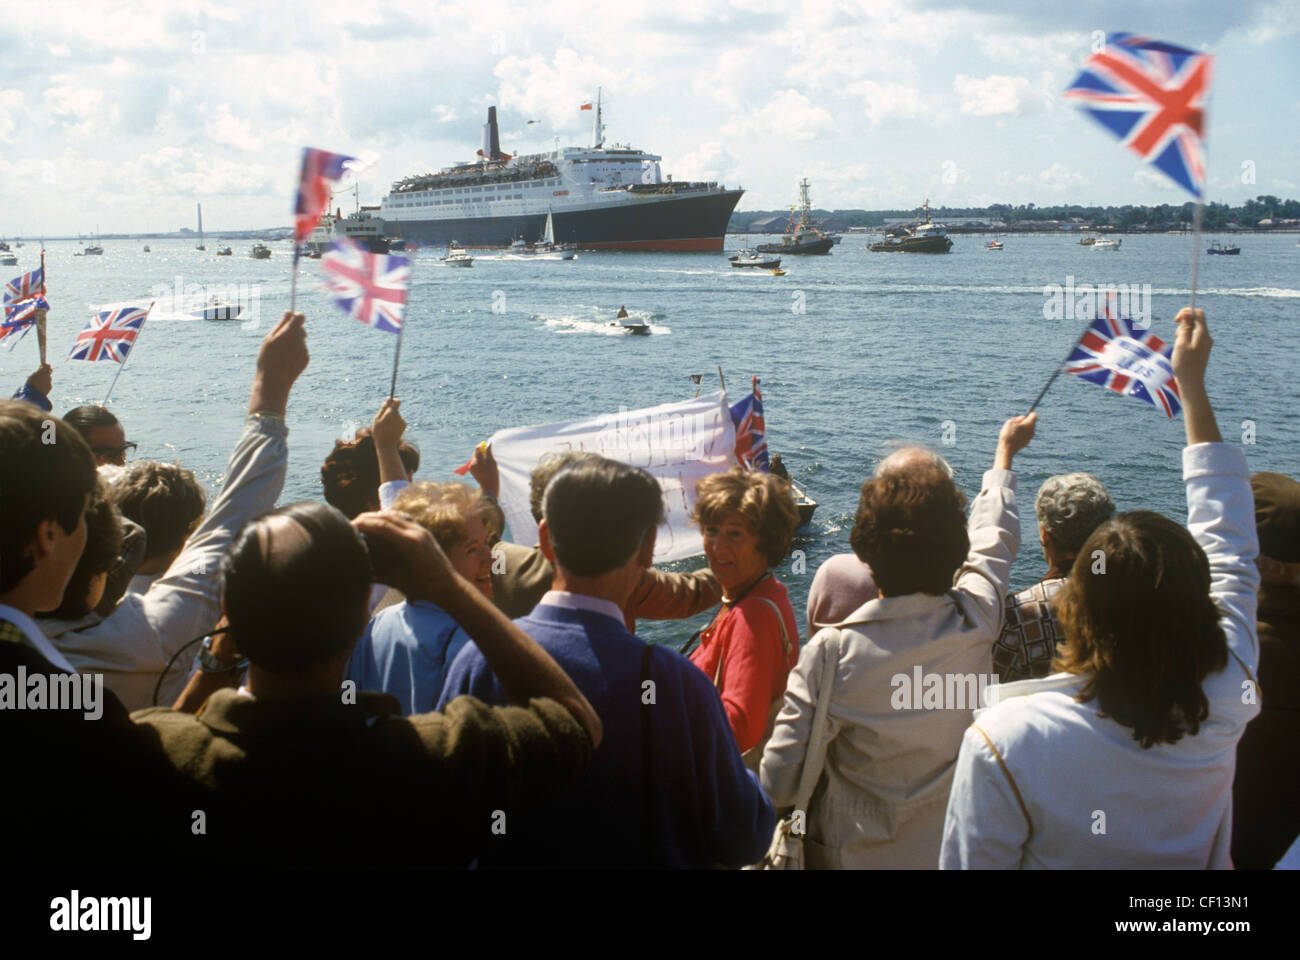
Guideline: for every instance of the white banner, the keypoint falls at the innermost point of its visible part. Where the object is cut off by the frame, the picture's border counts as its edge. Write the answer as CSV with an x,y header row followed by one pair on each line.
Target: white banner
x,y
677,443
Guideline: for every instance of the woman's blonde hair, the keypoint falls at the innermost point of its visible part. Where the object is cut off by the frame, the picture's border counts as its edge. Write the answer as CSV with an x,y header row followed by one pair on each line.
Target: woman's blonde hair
x,y
443,509
763,500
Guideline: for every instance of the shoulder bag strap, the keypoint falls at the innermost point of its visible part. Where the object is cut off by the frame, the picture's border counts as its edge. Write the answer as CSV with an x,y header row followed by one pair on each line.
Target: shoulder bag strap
x,y
815,758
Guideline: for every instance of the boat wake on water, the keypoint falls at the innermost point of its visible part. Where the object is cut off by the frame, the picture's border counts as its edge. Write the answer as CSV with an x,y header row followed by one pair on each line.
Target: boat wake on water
x,y
600,320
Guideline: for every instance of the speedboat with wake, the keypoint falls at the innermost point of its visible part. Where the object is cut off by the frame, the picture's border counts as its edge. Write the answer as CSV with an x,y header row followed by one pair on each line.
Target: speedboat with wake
x,y
630,324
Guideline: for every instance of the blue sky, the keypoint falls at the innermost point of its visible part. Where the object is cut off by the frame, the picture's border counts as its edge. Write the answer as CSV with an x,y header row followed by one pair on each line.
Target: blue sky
x,y
124,115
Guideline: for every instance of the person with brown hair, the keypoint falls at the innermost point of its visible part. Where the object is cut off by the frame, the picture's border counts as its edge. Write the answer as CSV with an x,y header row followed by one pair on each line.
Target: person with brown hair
x,y
406,647
747,519
350,474
164,499
1125,758
891,742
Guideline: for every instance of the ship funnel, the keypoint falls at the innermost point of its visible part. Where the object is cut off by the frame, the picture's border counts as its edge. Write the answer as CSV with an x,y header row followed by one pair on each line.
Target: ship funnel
x,y
491,141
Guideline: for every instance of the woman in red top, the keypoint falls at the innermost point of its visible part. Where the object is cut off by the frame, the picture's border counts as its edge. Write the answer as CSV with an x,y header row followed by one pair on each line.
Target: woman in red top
x,y
748,520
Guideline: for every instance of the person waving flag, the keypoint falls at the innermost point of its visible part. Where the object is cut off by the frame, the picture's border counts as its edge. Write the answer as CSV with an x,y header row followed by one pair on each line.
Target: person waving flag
x,y
1151,95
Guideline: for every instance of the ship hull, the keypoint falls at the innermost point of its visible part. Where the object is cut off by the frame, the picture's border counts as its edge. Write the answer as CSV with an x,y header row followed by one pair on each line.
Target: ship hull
x,y
690,223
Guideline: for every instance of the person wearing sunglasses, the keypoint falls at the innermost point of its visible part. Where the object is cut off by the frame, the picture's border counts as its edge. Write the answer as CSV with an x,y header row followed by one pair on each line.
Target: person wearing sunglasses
x,y
103,433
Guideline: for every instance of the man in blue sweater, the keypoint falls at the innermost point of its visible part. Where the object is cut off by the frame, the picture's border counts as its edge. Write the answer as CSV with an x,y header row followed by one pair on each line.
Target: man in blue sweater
x,y
668,787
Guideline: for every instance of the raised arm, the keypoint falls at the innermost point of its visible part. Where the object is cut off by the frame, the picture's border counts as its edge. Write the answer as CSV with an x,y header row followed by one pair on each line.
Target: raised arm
x,y
386,431
994,529
1220,505
524,670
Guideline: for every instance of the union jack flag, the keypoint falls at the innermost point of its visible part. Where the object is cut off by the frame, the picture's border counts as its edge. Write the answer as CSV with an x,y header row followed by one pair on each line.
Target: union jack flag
x,y
19,318
320,168
751,431
110,334
1134,363
1152,96
370,287
25,287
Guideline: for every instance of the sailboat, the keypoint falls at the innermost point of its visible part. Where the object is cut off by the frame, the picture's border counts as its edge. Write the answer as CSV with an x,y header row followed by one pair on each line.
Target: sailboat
x,y
200,246
547,249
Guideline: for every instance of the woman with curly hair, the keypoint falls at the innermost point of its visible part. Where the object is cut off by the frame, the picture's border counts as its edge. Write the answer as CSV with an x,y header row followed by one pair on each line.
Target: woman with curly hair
x,y
747,520
1125,758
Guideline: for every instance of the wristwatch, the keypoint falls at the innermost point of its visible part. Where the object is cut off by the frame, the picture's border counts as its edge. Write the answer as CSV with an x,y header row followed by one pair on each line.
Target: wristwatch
x,y
211,663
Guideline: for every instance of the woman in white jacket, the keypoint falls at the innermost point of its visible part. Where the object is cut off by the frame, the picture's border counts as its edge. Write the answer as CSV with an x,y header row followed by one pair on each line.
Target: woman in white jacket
x,y
909,664
1125,759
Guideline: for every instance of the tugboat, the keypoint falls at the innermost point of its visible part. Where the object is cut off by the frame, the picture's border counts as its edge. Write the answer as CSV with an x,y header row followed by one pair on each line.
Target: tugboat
x,y
639,327
1231,250
457,257
927,237
801,236
260,251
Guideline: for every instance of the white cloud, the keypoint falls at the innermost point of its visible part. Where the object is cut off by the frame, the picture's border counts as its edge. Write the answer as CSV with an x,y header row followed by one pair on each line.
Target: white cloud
x,y
11,106
1060,178
1146,177
992,96
789,115
887,101
443,113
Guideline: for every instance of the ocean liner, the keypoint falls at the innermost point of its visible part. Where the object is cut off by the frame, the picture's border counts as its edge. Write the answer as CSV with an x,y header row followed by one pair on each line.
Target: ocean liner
x,y
611,198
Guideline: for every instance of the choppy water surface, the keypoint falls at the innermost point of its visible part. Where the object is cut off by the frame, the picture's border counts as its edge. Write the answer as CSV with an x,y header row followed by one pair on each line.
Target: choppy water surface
x,y
856,352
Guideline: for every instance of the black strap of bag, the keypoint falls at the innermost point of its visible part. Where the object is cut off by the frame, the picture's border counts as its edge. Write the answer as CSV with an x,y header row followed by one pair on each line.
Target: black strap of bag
x,y
647,735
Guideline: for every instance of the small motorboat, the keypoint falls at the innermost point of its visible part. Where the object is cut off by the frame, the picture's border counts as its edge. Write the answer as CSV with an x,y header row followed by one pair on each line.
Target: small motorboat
x,y
751,258
146,248
1087,241
630,324
1217,248
216,309
1105,243
260,251
8,260
778,272
993,245
457,257
805,504
225,252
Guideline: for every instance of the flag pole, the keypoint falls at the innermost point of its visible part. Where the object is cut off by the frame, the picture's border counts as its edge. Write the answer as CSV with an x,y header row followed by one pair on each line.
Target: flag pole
x,y
720,380
40,314
1059,367
1196,247
293,280
397,356
127,357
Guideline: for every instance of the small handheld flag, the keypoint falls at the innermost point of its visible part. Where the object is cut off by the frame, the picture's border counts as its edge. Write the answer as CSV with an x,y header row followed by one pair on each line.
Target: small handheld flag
x,y
370,287
1151,95
751,431
109,335
19,318
320,168
26,287
1112,354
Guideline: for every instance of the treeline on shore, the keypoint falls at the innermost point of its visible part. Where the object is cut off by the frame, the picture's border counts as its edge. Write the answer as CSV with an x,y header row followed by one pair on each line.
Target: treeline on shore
x,y
1262,213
